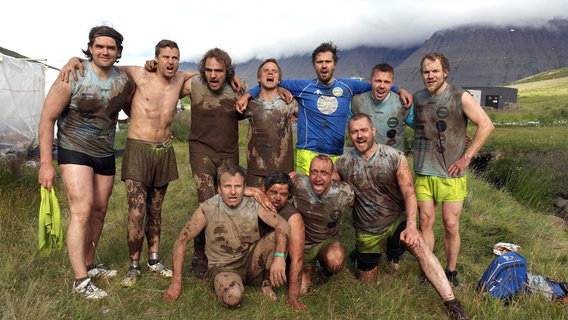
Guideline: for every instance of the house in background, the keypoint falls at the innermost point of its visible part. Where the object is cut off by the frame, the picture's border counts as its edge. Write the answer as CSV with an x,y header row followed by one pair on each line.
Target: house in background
x,y
493,97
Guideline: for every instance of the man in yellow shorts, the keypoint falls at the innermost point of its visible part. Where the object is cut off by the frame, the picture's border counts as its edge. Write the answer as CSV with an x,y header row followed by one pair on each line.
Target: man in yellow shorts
x,y
441,116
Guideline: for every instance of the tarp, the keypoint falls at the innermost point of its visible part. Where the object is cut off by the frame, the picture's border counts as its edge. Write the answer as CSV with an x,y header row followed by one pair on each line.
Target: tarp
x,y
22,93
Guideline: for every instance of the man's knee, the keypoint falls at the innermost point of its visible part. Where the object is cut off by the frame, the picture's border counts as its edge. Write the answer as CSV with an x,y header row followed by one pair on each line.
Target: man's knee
x,y
229,290
334,257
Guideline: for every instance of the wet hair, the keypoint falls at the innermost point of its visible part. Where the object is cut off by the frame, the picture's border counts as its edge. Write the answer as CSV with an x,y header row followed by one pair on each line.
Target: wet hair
x,y
231,169
165,44
104,31
221,56
278,177
323,157
267,61
325,47
439,56
382,67
359,116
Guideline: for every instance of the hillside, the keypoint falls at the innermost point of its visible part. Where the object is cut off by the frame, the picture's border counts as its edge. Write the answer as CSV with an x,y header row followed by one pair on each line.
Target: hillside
x,y
480,56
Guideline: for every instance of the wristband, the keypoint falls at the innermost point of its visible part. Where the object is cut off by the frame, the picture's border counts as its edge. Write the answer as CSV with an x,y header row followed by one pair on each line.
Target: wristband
x,y
279,254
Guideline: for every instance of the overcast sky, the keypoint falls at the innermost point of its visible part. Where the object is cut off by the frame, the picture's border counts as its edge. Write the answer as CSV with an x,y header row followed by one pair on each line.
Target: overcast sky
x,y
57,30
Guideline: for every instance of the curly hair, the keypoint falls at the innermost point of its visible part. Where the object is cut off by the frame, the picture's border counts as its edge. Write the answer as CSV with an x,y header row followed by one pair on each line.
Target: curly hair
x,y
221,56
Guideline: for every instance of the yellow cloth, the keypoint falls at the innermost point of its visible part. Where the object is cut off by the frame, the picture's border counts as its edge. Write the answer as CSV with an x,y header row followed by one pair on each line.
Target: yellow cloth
x,y
50,234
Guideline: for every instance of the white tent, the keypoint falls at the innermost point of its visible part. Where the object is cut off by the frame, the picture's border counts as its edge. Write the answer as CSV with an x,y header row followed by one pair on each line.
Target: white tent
x,y
22,93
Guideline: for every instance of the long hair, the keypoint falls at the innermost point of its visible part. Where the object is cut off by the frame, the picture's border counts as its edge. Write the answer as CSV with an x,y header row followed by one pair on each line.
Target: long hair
x,y
221,56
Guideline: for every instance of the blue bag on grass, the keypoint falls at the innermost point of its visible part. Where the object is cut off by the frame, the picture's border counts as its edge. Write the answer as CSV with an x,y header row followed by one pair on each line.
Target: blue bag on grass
x,y
505,277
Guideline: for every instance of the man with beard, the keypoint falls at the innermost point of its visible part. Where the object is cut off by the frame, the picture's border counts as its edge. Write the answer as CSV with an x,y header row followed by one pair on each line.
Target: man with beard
x,y
385,208
322,203
442,112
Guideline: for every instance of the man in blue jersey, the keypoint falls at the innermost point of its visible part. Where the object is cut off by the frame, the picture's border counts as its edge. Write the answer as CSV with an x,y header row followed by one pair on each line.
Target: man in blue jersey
x,y
323,107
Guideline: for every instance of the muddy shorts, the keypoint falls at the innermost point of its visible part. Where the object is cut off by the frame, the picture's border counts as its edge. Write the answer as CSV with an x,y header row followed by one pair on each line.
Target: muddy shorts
x,y
240,267
311,253
151,163
377,243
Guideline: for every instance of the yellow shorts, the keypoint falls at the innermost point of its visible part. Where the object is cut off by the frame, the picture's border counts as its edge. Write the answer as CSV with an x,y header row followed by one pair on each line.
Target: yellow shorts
x,y
437,189
377,243
311,254
304,158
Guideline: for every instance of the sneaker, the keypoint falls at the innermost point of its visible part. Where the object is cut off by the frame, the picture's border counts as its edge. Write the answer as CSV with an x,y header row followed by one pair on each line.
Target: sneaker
x,y
455,310
453,278
131,277
199,265
161,270
99,270
88,290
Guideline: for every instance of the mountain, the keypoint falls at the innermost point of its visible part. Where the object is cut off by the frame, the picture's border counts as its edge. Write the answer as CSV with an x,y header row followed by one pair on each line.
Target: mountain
x,y
480,56
356,62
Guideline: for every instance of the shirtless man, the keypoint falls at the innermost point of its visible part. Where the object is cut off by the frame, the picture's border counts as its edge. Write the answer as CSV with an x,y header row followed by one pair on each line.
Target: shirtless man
x,y
149,162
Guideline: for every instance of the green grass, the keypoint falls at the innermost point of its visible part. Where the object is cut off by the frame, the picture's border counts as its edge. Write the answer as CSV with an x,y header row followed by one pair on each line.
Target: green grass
x,y
33,285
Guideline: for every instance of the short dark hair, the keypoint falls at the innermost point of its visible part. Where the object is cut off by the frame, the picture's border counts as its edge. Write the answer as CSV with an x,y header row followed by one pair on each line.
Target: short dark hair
x,y
323,157
382,67
326,47
267,61
444,61
165,44
104,31
221,56
231,169
278,177
359,116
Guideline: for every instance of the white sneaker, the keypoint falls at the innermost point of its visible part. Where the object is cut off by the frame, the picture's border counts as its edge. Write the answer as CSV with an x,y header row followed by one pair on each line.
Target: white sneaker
x,y
99,270
131,277
161,270
88,290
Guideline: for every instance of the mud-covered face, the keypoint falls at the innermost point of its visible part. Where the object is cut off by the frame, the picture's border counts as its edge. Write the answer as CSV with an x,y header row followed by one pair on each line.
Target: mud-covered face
x,y
215,74
320,175
278,194
232,189
362,134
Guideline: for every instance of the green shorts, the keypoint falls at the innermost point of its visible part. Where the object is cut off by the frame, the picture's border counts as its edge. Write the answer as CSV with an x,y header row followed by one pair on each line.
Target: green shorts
x,y
377,243
437,189
304,158
311,254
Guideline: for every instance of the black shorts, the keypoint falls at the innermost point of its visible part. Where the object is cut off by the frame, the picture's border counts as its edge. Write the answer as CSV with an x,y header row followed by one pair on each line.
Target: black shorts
x,y
104,166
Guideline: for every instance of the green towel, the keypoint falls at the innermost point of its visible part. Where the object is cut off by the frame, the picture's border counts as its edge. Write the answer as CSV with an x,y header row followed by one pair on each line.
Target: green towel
x,y
50,234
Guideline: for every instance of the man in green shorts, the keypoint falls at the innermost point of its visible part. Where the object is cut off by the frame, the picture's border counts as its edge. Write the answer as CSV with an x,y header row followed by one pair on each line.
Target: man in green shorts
x,y
322,203
385,209
442,112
